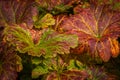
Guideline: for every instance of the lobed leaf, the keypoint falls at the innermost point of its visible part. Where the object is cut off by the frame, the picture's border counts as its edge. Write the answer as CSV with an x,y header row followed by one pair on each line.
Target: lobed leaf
x,y
58,43
10,63
48,43
97,27
16,12
20,38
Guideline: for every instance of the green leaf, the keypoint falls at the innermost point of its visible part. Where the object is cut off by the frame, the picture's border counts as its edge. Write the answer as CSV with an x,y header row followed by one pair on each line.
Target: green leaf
x,y
36,61
49,44
45,21
39,70
75,64
57,43
116,6
72,40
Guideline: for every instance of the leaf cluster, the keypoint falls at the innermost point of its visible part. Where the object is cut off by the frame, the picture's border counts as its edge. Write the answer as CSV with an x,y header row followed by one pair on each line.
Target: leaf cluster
x,y
42,33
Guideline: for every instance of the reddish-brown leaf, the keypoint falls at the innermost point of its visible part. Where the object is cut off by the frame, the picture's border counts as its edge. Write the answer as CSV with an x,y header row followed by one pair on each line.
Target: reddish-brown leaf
x,y
98,2
49,4
16,11
69,75
8,61
98,27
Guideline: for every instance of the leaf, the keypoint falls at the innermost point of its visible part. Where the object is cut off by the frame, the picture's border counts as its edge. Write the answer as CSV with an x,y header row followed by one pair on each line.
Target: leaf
x,y
19,63
99,2
36,61
68,75
61,8
83,73
8,63
114,4
74,64
97,27
16,12
20,37
39,70
57,43
97,74
50,4
49,43
45,21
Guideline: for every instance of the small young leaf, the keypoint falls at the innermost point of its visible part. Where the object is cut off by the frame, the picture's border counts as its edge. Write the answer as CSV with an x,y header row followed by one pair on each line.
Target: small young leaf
x,y
36,61
45,21
39,70
75,64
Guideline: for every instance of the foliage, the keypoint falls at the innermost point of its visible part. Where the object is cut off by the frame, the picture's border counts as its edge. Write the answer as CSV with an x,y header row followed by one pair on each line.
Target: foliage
x,y
38,36
76,70
49,43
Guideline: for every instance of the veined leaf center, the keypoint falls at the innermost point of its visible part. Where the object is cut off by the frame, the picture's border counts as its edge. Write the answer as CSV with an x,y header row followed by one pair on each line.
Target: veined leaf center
x,y
98,36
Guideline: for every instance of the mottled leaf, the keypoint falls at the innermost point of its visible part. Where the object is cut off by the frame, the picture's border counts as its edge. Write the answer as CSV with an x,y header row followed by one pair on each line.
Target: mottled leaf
x,y
63,71
115,4
45,21
74,64
97,73
97,27
99,2
19,63
13,11
58,43
8,63
49,41
68,75
50,4
77,71
19,37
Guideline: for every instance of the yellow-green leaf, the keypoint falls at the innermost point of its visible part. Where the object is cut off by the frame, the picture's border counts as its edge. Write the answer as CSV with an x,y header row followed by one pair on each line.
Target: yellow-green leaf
x,y
45,21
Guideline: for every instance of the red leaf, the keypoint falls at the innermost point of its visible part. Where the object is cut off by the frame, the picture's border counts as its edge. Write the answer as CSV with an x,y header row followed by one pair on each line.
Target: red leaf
x,y
68,75
98,27
7,63
13,11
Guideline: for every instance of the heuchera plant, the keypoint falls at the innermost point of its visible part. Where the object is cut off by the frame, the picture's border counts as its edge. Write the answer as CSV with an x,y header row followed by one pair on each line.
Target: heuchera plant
x,y
47,31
